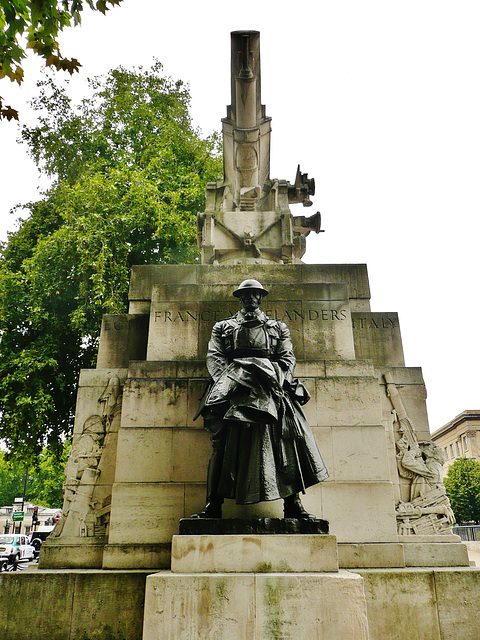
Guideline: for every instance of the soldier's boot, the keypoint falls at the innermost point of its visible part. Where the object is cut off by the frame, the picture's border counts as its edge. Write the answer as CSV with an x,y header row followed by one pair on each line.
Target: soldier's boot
x,y
214,502
293,508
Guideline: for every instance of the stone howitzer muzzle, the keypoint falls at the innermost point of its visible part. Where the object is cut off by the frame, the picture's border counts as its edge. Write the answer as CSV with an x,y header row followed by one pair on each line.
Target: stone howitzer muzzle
x,y
246,128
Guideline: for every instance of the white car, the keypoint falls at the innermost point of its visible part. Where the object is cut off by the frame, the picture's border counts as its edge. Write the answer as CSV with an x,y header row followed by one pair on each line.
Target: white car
x,y
15,547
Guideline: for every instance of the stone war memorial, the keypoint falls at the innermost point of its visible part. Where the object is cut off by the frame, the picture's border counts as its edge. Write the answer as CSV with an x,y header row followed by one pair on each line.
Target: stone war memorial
x,y
155,541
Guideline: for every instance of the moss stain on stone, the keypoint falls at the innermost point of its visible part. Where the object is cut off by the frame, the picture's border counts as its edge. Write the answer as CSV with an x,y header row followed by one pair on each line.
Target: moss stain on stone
x,y
267,567
220,590
273,623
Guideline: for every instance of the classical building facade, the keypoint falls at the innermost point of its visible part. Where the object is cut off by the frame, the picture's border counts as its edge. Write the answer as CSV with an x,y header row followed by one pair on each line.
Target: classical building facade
x,y
460,438
45,518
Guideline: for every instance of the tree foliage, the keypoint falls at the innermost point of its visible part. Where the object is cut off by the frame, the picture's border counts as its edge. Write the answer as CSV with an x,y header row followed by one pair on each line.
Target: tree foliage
x,y
44,483
130,174
462,483
36,25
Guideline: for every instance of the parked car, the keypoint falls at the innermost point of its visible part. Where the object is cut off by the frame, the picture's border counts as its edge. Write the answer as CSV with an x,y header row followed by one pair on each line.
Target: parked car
x,y
15,547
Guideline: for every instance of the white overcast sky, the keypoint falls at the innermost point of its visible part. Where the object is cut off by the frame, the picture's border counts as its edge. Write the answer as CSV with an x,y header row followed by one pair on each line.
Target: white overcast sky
x,y
379,101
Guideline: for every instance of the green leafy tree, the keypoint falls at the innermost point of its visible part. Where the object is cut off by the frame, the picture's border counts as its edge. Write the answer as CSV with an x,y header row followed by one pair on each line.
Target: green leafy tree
x,y
11,481
130,174
462,483
36,25
44,483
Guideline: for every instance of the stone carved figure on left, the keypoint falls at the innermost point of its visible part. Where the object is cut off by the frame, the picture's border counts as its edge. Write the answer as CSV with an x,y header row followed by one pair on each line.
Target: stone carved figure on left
x,y
80,511
427,510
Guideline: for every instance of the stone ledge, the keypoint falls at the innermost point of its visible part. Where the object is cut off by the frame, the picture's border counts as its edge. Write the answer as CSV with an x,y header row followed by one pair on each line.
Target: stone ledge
x,y
68,605
144,277
137,556
371,555
154,369
447,538
427,551
433,554
72,553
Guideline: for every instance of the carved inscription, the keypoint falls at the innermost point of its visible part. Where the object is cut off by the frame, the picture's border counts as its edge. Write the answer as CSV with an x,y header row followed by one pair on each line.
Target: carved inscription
x,y
311,315
371,323
118,325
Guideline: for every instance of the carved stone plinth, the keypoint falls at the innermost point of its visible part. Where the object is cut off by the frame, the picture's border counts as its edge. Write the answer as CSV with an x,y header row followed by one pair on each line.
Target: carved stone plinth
x,y
254,553
255,587
256,606
261,526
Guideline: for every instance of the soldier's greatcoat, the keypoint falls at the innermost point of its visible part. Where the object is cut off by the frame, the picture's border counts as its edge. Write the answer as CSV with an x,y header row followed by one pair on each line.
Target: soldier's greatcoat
x,y
253,411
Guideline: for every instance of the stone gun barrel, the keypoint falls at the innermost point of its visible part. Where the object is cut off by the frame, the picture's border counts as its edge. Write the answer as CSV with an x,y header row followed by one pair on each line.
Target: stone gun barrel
x,y
246,106
246,129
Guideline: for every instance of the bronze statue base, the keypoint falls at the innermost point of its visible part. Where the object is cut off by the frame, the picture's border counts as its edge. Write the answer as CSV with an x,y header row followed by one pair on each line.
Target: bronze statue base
x,y
232,526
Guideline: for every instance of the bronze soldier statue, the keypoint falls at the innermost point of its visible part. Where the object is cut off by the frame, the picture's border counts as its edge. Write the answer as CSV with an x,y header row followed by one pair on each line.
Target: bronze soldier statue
x,y
263,447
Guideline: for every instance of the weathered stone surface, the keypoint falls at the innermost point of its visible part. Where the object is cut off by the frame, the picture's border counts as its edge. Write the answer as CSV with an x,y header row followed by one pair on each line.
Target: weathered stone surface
x,y
194,607
72,605
320,606
182,317
359,454
254,553
108,608
145,277
401,604
355,276
434,554
445,538
347,402
423,604
377,336
137,556
360,512
163,455
155,403
310,369
72,553
354,556
458,595
49,618
123,337
255,606
473,549
145,512
191,450
348,369
159,442
418,604
146,449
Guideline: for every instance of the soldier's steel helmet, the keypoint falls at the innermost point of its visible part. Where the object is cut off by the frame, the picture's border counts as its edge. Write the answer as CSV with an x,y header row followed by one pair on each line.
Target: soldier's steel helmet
x,y
250,285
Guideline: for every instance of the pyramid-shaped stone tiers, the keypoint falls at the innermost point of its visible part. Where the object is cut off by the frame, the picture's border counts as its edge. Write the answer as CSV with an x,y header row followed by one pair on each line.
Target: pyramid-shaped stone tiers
x,y
155,357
